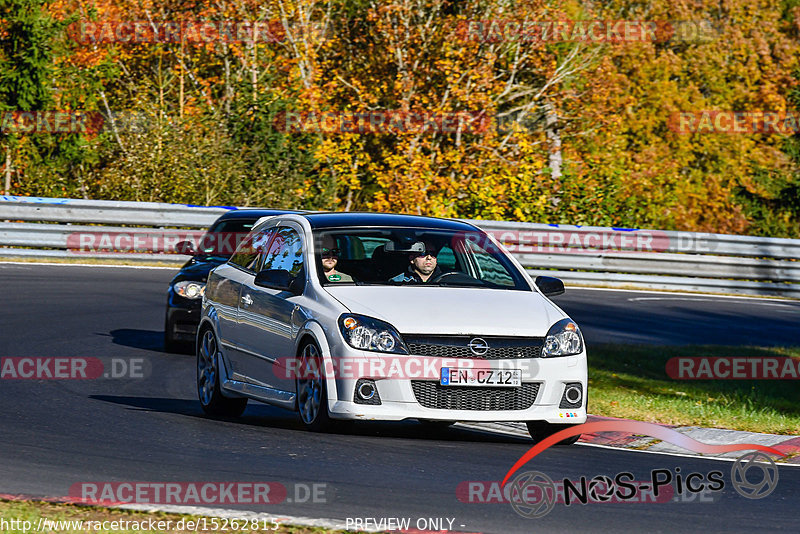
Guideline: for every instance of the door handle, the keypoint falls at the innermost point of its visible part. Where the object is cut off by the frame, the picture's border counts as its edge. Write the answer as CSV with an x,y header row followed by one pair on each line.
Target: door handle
x,y
247,300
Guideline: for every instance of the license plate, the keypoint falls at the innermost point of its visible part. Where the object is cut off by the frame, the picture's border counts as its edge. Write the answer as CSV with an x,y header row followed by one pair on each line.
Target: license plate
x,y
454,376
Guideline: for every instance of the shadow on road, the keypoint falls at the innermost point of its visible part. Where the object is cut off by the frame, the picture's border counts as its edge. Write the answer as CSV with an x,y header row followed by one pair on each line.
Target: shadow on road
x,y
152,340
262,415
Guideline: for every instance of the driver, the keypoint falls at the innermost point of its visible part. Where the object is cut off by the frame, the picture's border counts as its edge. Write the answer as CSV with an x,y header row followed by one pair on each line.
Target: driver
x,y
422,267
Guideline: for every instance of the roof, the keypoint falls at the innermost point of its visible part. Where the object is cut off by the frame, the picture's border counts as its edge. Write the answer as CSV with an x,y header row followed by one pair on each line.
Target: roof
x,y
254,214
359,219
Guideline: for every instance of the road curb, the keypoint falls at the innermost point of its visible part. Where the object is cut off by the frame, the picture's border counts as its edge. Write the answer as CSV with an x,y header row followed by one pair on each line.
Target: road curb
x,y
788,445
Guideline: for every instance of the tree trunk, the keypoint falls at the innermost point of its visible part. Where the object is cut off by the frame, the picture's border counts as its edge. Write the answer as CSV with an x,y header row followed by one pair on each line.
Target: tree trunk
x,y
554,136
7,188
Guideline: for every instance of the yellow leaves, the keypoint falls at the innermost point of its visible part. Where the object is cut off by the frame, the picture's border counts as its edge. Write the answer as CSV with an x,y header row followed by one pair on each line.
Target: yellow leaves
x,y
621,164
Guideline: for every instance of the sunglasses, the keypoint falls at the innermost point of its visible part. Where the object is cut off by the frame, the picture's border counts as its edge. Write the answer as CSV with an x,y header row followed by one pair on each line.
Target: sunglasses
x,y
330,252
424,254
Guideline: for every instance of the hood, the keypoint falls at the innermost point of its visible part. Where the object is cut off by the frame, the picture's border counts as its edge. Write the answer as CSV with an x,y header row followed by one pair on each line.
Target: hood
x,y
452,311
197,268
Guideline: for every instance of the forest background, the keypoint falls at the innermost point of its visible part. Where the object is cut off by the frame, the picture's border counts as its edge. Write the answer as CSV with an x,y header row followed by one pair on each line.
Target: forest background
x,y
579,129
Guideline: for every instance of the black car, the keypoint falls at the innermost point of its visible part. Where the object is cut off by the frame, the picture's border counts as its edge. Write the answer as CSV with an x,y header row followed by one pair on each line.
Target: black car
x,y
186,289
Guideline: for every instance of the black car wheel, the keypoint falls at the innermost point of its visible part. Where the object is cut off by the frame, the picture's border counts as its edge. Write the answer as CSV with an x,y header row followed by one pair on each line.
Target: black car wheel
x,y
173,344
211,398
170,343
312,394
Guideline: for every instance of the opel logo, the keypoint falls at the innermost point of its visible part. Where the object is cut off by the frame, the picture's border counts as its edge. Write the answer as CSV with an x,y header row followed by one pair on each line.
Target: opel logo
x,y
478,346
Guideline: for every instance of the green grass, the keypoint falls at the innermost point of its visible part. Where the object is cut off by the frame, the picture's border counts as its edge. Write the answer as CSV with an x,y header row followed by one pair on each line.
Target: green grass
x,y
33,511
630,381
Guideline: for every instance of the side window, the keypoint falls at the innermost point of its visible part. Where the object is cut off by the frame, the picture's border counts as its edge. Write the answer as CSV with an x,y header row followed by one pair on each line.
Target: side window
x,y
251,249
491,270
285,252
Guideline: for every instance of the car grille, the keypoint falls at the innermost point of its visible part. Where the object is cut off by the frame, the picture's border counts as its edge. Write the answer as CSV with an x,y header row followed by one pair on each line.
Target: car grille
x,y
500,348
431,394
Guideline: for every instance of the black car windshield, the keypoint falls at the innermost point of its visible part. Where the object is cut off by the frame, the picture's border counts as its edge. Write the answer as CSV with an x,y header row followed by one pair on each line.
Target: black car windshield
x,y
413,256
224,237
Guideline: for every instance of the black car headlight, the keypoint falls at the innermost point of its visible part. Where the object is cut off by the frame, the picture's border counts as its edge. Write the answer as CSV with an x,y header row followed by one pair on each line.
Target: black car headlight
x,y
563,339
367,333
189,289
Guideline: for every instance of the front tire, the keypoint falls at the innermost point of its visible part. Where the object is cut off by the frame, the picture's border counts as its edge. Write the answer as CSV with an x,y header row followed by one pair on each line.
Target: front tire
x,y
540,430
172,345
208,391
312,393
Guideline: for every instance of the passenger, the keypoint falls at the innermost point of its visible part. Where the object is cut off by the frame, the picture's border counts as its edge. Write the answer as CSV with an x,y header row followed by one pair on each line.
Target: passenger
x,y
422,267
330,258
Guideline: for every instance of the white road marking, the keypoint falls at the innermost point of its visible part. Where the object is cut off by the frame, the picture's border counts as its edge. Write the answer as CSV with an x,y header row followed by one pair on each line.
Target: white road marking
x,y
706,299
33,264
696,294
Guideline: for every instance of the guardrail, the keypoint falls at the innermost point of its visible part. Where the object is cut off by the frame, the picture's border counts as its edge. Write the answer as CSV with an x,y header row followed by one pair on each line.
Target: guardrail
x,y
580,255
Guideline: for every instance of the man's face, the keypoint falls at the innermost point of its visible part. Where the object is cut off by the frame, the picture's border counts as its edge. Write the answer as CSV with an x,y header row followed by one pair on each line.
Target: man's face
x,y
330,257
424,262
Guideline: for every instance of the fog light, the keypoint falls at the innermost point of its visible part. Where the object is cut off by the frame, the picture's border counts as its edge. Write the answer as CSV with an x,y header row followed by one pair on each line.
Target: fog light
x,y
573,395
366,392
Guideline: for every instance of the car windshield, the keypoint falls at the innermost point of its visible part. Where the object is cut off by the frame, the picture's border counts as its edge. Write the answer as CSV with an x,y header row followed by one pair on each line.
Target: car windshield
x,y
413,256
224,237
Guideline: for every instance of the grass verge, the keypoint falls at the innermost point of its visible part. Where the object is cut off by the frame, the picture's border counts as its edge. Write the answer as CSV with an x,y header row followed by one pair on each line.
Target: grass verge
x,y
34,513
630,381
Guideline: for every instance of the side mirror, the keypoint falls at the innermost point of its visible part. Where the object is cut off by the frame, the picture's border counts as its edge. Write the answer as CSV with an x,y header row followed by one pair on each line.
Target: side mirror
x,y
279,279
549,286
185,247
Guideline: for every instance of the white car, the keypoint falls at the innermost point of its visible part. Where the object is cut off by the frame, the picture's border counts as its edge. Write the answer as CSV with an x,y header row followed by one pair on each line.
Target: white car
x,y
354,316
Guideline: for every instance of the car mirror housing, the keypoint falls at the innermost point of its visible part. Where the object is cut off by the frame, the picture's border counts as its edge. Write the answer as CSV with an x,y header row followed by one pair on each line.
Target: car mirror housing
x,y
549,286
279,279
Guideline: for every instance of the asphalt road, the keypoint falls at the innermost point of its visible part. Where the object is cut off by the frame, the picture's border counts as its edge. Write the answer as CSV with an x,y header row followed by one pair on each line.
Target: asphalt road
x,y
56,433
681,319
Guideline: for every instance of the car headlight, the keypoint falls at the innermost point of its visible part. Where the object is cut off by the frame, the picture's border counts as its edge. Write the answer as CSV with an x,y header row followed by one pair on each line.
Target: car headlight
x,y
190,289
366,333
563,339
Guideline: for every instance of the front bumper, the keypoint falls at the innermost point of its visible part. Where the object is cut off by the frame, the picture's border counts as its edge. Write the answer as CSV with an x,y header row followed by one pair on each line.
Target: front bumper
x,y
401,399
182,317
